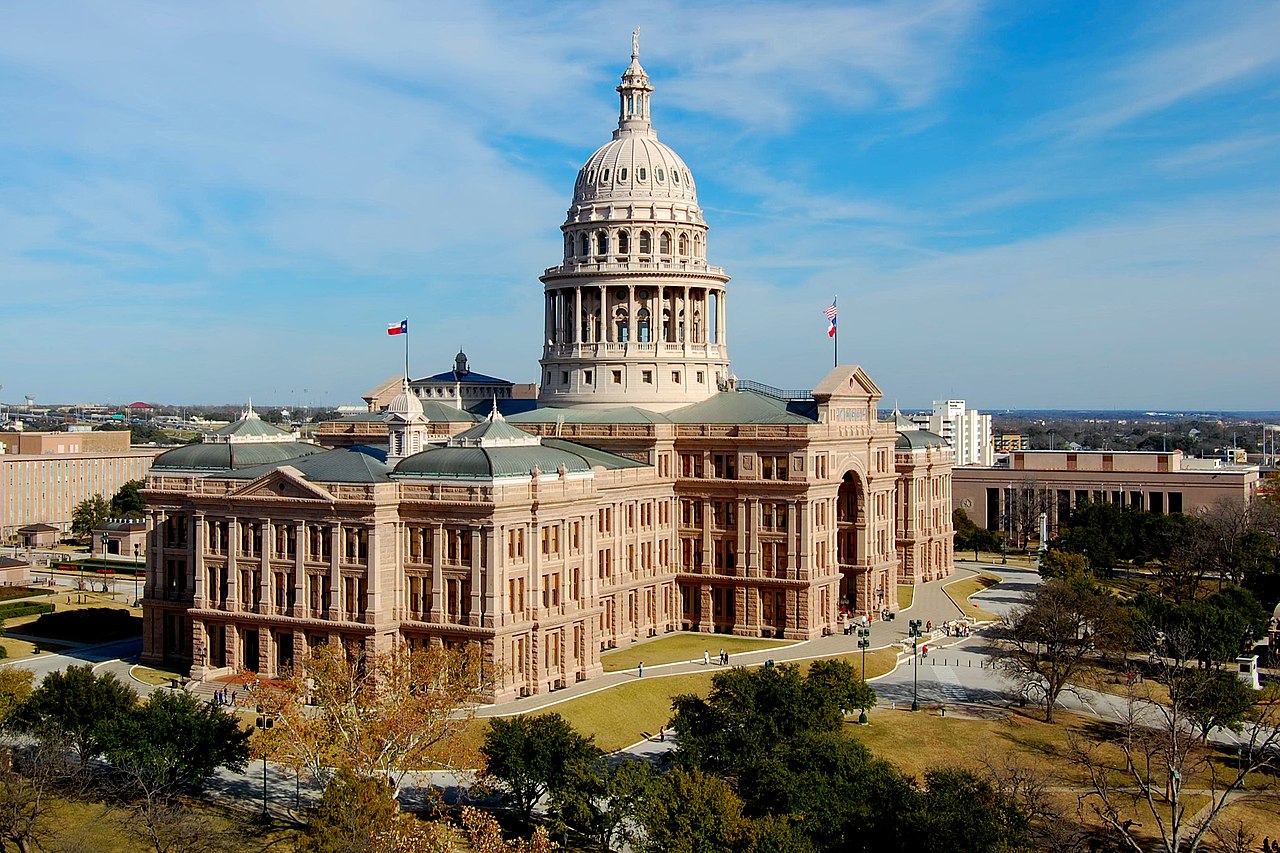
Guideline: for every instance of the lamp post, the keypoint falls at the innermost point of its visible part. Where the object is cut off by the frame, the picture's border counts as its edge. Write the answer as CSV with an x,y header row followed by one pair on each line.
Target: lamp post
x,y
265,721
137,547
864,642
915,677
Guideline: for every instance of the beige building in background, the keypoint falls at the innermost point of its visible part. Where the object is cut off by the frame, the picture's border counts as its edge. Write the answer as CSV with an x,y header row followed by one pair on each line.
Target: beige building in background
x,y
652,492
1155,481
56,470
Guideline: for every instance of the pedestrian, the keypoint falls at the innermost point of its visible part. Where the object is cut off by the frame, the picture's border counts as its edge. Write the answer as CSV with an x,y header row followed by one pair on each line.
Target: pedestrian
x,y
726,658
721,658
662,733
706,657
234,694
928,626
640,670
924,650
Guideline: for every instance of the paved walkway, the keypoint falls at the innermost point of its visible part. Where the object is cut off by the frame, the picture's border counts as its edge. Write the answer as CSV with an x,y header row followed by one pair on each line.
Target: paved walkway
x,y
930,603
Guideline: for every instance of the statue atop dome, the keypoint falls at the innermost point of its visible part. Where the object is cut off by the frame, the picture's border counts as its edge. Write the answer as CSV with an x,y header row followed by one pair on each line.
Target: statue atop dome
x,y
635,43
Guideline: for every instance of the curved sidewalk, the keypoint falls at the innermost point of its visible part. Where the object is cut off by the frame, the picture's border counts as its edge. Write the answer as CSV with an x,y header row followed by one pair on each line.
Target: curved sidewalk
x,y
930,603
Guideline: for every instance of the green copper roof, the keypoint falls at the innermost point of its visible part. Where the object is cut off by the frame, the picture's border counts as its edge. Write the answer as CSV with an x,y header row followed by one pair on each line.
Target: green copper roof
x,y
494,431
494,462
251,426
356,464
620,415
745,407
914,439
223,456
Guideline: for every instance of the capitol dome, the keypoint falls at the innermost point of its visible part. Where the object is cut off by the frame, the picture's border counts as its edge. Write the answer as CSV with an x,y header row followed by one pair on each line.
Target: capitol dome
x,y
634,166
406,404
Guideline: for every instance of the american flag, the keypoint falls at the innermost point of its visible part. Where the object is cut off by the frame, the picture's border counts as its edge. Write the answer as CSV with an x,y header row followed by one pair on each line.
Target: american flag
x,y
831,315
831,312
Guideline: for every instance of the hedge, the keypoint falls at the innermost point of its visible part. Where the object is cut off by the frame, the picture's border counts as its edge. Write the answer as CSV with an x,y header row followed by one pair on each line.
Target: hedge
x,y
15,609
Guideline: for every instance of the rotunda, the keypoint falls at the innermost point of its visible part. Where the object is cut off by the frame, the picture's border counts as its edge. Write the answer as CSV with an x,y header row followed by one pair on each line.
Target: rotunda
x,y
634,315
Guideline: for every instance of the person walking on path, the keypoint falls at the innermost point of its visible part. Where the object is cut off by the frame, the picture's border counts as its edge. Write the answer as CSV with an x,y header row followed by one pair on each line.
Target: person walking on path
x,y
706,657
721,657
662,734
724,658
640,670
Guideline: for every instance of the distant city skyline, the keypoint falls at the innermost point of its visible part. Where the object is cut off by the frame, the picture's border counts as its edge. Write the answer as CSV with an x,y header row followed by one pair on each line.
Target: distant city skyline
x,y
1021,205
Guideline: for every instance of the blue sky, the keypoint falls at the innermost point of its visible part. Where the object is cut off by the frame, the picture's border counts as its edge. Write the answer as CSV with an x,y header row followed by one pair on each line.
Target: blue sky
x,y
1023,204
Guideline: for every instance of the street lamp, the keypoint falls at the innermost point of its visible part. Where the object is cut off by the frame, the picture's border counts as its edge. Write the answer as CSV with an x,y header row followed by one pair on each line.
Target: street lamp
x,y
137,546
265,721
864,642
915,677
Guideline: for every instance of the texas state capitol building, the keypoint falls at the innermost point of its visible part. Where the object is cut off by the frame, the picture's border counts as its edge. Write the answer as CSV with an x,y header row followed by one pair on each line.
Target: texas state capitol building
x,y
650,492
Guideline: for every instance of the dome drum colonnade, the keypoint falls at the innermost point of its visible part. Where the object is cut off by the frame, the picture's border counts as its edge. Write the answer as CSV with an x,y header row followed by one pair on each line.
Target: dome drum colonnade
x,y
634,313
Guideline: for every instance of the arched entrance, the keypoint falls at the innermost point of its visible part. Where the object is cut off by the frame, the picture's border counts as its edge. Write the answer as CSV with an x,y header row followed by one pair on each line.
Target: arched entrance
x,y
850,544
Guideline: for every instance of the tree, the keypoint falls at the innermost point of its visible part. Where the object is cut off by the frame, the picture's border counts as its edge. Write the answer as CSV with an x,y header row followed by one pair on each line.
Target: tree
x,y
1214,699
1156,763
28,798
172,743
15,688
960,812
535,756
1044,642
600,801
127,501
687,811
77,706
353,813
1064,565
1024,504
969,536
839,680
382,714
88,514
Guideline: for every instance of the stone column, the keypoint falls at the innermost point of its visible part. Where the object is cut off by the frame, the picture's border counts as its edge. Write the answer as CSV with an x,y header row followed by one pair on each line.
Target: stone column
x,y
299,575
474,617
748,512
437,575
335,572
268,549
603,331
801,540
632,339
233,566
199,546
373,579
577,315
494,557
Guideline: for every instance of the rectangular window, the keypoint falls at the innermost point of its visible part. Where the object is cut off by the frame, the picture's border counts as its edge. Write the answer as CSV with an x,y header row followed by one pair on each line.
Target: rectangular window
x,y
675,377
617,377
646,376
724,466
588,377
564,377
701,378
773,467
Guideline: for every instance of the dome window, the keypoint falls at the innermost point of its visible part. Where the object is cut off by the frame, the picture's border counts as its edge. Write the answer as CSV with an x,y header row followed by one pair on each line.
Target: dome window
x,y
624,242
684,245
664,243
604,176
646,242
591,176
641,174
675,175
661,175
602,243
622,174
584,243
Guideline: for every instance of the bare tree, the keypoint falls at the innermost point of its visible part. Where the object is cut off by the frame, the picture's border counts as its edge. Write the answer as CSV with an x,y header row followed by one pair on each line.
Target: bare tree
x,y
1157,768
1043,643
1024,504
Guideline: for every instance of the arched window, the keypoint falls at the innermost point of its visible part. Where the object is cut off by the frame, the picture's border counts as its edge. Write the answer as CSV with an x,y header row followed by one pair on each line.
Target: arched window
x,y
568,246
646,242
642,325
604,176
624,242
662,175
584,243
602,243
622,329
684,245
675,175
664,243
591,176
642,174
622,173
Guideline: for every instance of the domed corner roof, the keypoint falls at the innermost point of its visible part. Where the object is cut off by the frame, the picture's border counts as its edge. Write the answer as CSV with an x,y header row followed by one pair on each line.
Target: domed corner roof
x,y
405,405
635,167
472,463
223,456
918,439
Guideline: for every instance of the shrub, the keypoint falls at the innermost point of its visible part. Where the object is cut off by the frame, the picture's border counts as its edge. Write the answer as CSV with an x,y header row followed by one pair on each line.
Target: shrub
x,y
24,608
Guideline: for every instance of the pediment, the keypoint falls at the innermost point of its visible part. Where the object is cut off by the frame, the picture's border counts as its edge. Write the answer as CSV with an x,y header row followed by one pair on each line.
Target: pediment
x,y
847,383
284,482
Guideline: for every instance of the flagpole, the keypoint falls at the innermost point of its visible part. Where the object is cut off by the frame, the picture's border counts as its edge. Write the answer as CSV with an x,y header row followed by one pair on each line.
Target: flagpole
x,y
406,353
835,340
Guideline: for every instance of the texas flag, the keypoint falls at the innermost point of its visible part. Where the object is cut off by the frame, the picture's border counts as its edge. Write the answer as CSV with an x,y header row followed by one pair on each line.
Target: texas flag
x,y
401,328
831,315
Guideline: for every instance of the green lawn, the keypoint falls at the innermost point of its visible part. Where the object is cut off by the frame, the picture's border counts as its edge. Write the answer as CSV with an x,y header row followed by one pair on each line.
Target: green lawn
x,y
960,591
906,595
683,647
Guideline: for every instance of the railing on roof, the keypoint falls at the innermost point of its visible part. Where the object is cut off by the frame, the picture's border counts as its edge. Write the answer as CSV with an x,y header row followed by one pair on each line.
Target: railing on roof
x,y
776,393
